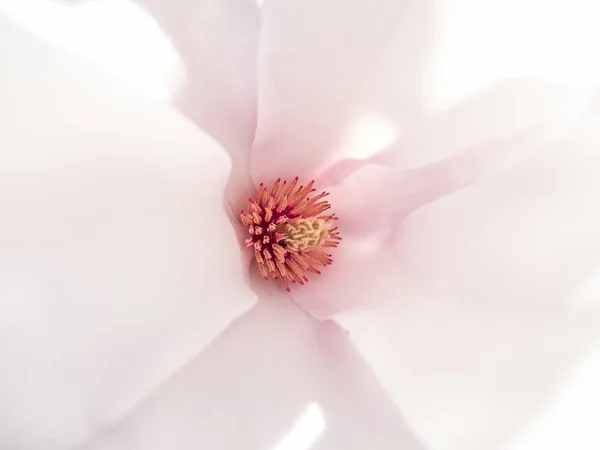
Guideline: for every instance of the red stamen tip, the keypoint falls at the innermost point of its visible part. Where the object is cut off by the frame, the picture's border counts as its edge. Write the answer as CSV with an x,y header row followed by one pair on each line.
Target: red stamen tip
x,y
289,232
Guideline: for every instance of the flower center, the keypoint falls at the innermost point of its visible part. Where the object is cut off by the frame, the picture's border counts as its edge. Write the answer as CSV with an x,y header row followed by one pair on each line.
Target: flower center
x,y
289,231
305,233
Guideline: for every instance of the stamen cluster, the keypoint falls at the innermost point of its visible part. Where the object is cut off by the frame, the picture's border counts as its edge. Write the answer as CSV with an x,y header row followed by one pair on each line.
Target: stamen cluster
x,y
289,232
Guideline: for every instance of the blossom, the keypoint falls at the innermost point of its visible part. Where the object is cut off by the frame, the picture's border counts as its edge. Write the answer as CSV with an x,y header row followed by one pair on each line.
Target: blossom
x,y
133,316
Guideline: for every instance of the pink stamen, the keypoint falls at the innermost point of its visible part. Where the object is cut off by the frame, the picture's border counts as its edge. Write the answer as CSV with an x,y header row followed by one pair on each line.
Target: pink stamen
x,y
277,252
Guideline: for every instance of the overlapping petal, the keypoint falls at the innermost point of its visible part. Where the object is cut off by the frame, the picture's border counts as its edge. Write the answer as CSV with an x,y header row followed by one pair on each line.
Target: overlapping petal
x,y
322,66
326,70
118,263
276,380
472,378
474,297
217,41
199,55
374,202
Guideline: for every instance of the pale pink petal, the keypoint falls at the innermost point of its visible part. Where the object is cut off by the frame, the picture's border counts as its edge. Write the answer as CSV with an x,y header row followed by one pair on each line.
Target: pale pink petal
x,y
473,322
275,380
526,238
480,135
372,203
201,54
325,70
217,41
479,377
478,139
325,65
501,109
117,261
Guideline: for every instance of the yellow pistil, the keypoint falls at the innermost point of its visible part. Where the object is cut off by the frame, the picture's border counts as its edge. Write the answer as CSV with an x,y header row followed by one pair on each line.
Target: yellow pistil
x,y
309,232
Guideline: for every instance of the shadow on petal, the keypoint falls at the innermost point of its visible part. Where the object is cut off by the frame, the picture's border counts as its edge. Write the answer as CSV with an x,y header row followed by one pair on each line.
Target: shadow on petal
x,y
446,229
527,238
107,279
217,41
322,66
249,389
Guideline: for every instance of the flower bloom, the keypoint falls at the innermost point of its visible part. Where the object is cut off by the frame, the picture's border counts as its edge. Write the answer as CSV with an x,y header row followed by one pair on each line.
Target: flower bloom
x,y
465,189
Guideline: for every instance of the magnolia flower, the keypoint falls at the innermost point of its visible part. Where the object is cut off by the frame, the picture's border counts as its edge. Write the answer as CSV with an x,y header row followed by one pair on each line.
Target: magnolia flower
x,y
458,312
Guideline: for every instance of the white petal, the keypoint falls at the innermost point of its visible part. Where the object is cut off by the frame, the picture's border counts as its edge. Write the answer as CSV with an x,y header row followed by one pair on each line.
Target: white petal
x,y
500,110
478,323
117,262
327,70
569,418
479,43
325,66
466,144
526,238
199,54
274,380
374,203
135,50
217,41
475,378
